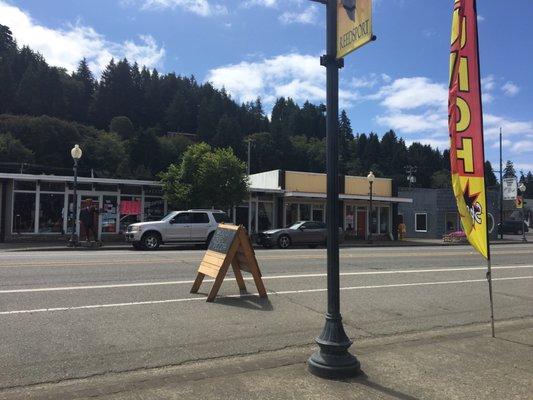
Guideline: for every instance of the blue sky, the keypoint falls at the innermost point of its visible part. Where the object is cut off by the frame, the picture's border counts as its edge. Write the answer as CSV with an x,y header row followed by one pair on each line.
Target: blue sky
x,y
270,48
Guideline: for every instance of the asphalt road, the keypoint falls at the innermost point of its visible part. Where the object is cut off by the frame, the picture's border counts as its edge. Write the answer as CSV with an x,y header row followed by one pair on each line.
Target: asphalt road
x,y
74,314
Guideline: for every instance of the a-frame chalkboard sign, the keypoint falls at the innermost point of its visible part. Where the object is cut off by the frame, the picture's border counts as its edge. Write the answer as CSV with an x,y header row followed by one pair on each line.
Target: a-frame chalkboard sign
x,y
230,245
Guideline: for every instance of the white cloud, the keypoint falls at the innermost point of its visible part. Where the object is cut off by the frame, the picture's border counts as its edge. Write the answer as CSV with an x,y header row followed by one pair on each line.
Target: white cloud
x,y
510,89
263,3
488,83
204,8
412,93
66,47
309,16
480,18
298,76
492,124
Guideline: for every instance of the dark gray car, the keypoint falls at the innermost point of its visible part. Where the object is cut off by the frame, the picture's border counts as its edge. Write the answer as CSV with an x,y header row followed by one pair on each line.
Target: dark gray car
x,y
301,233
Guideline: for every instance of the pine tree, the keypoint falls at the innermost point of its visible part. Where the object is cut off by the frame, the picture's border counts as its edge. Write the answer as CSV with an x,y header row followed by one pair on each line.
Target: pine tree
x,y
509,171
84,76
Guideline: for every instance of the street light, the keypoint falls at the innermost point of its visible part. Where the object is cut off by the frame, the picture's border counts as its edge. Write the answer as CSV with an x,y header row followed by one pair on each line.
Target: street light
x,y
523,188
76,154
371,179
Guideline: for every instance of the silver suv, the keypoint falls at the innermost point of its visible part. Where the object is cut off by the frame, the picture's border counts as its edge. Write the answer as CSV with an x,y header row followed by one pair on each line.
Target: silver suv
x,y
191,227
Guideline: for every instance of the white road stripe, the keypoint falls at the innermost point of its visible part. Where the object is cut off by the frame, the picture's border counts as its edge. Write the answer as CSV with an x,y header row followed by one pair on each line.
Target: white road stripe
x,y
187,299
317,275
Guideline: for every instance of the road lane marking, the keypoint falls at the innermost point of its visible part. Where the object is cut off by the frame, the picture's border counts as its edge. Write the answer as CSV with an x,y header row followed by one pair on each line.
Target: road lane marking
x,y
318,256
188,299
317,275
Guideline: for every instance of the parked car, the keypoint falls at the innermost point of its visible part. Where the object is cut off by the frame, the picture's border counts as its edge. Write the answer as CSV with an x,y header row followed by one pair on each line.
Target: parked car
x,y
513,227
190,227
301,233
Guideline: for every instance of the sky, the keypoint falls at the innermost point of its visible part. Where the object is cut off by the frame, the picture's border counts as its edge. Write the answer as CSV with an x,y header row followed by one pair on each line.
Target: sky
x,y
271,48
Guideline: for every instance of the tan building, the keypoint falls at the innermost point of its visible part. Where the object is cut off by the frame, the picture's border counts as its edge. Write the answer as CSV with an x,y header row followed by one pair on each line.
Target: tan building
x,y
281,198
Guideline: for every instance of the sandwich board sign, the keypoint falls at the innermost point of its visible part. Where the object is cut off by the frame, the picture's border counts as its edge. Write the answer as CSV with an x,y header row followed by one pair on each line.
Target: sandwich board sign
x,y
230,245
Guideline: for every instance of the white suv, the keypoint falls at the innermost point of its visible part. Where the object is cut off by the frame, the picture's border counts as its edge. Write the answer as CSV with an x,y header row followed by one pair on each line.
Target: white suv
x,y
191,227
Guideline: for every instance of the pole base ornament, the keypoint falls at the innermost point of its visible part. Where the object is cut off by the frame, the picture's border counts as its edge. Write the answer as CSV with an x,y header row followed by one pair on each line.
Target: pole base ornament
x,y
333,361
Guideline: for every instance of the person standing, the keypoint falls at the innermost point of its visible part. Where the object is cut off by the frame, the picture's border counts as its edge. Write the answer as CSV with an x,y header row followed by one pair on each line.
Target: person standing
x,y
87,219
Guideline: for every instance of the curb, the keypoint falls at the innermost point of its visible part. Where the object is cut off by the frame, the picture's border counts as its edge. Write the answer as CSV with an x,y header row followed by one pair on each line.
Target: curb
x,y
342,246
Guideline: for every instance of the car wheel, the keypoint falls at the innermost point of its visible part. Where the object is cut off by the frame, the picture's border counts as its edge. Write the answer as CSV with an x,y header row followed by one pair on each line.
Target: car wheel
x,y
137,245
519,232
208,240
151,241
284,242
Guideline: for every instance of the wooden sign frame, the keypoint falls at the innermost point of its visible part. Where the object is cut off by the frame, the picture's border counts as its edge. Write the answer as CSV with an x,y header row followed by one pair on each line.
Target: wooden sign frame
x,y
235,249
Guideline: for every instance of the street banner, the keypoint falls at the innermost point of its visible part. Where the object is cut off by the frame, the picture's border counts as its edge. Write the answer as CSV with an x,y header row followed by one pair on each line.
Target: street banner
x,y
466,126
354,25
510,189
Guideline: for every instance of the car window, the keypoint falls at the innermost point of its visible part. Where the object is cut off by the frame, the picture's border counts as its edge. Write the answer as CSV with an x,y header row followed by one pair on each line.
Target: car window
x,y
200,218
182,218
312,225
221,217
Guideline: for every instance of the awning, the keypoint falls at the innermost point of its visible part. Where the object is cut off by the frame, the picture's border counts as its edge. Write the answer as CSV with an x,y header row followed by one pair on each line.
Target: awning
x,y
349,197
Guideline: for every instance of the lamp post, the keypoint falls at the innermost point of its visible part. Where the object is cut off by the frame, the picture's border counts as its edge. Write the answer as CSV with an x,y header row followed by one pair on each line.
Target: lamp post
x,y
523,188
332,360
371,179
248,169
76,154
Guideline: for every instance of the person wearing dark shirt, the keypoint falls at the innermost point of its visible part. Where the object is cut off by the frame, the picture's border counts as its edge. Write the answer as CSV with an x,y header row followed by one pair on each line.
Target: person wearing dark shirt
x,y
87,215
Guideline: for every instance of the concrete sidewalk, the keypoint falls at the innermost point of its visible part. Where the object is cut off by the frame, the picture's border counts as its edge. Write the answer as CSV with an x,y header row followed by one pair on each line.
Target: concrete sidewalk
x,y
455,363
408,242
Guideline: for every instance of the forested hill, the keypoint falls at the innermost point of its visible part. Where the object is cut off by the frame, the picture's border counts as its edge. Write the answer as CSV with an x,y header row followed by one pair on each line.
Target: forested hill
x,y
126,121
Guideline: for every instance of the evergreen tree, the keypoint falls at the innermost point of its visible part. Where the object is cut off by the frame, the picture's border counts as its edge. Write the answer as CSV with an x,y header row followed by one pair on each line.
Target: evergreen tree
x,y
490,178
509,171
84,76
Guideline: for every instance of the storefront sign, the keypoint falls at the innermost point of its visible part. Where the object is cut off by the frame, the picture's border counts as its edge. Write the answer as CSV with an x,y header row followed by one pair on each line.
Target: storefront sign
x,y
130,207
229,245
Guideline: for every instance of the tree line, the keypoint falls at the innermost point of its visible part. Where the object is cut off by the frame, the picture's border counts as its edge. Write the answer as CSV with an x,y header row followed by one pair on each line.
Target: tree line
x,y
135,122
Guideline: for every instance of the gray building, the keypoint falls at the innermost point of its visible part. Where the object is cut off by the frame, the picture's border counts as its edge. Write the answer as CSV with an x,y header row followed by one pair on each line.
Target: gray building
x,y
433,212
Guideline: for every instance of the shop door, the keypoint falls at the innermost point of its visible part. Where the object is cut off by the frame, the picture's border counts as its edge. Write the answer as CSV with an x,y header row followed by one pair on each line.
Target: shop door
x,y
361,224
90,201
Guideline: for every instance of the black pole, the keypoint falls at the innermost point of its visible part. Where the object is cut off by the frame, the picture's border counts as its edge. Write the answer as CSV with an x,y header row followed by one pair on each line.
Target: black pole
x,y
501,188
371,215
73,241
333,359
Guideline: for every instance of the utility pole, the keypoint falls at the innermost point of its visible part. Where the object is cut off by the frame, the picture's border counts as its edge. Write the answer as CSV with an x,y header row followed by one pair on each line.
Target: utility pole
x,y
501,187
249,141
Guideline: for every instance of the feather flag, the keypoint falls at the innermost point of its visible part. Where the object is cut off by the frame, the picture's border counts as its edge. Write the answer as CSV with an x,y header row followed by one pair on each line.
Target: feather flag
x,y
466,126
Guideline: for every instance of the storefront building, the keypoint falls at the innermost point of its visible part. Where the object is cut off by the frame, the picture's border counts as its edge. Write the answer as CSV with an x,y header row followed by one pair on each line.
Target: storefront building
x,y
40,207
281,198
433,212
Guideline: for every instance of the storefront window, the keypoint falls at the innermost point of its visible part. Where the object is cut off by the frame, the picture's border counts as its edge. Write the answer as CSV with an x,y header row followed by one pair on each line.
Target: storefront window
x,y
318,212
24,213
51,212
305,212
384,220
130,211
154,208
52,187
265,216
291,214
109,214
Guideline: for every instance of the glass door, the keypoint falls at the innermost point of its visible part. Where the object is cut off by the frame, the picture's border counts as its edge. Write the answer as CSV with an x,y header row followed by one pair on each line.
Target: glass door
x,y
91,222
